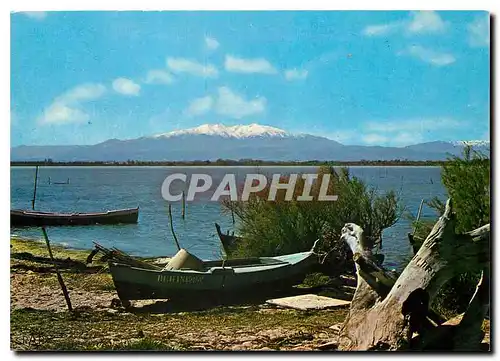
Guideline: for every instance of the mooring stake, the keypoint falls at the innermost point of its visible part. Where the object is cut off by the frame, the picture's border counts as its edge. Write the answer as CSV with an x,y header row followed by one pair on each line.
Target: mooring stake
x,y
183,205
59,277
34,190
172,226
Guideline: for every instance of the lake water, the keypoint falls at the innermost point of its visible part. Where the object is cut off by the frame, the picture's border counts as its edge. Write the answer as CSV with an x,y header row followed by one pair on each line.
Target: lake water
x,y
93,189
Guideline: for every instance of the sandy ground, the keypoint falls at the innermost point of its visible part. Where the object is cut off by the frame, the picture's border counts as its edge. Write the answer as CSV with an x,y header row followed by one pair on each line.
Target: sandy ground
x,y
40,321
275,329
28,294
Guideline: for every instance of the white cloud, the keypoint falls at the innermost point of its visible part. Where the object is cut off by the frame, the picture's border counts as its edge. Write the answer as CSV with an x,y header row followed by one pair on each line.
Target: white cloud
x,y
429,56
420,22
479,31
382,29
182,65
388,138
341,136
199,106
37,15
426,22
373,138
295,74
126,86
412,125
82,93
241,65
235,106
395,133
211,43
397,139
66,108
406,138
158,76
62,113
404,132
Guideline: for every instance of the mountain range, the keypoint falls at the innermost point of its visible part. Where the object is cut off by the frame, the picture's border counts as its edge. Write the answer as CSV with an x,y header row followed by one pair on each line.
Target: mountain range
x,y
254,141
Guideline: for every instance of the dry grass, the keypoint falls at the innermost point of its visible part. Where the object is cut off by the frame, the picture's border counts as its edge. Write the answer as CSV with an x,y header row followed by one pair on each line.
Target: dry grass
x,y
217,329
31,259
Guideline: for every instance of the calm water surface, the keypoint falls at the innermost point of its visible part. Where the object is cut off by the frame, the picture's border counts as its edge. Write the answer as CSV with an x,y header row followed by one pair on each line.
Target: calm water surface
x,y
93,189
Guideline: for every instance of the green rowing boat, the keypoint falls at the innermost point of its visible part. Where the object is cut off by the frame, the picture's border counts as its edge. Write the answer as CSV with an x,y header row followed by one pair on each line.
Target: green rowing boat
x,y
186,276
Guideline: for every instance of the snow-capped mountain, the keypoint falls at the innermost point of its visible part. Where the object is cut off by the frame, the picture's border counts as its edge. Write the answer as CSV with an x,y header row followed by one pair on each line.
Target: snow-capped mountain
x,y
235,131
254,141
474,143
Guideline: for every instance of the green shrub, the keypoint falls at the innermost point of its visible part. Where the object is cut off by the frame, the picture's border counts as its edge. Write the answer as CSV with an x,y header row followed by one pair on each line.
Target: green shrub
x,y
279,227
467,182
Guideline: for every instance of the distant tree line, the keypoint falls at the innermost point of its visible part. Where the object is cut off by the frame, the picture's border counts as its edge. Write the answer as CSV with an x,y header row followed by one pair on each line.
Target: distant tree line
x,y
232,162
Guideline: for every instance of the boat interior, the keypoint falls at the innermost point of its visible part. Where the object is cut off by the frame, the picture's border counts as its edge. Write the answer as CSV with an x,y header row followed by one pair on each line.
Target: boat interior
x,y
184,260
243,262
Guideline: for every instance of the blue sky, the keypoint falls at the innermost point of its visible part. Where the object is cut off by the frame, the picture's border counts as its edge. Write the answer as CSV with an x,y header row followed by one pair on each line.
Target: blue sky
x,y
383,78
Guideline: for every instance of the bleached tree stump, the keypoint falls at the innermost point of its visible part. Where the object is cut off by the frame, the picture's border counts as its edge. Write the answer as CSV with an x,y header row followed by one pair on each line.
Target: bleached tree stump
x,y
386,312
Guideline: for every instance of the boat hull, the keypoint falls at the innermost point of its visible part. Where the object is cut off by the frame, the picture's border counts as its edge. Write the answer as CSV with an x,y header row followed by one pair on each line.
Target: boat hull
x,y
21,218
135,284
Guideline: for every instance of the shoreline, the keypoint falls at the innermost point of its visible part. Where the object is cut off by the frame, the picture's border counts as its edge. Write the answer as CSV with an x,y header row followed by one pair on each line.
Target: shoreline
x,y
235,164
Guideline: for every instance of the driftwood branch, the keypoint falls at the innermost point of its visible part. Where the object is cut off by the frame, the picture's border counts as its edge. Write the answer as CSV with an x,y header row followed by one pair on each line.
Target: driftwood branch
x,y
467,337
386,312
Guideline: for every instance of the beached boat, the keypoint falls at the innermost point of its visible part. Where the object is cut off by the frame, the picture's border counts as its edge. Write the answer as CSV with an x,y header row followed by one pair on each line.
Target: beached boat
x,y
187,276
229,242
36,218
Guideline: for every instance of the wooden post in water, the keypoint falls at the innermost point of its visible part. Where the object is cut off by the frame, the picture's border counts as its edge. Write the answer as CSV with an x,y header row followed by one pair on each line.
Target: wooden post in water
x,y
418,215
172,226
59,277
183,205
34,190
412,235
